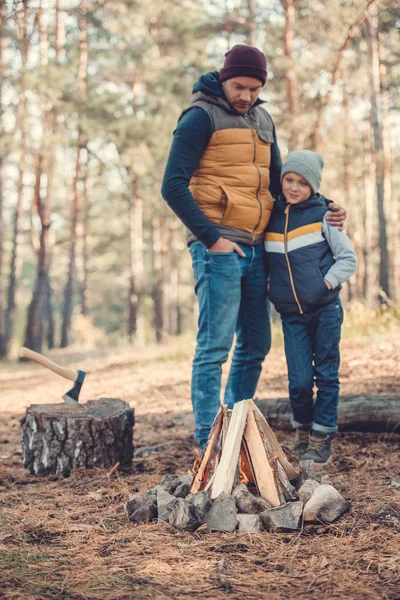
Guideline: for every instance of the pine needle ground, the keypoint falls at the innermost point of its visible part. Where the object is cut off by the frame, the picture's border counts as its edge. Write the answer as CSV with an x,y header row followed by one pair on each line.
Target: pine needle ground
x,y
70,539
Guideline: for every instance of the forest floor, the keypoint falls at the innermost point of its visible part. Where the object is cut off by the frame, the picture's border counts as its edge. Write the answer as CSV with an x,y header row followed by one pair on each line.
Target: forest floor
x,y
70,539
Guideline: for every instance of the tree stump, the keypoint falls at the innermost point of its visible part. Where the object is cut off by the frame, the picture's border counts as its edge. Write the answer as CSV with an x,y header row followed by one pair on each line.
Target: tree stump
x,y
57,438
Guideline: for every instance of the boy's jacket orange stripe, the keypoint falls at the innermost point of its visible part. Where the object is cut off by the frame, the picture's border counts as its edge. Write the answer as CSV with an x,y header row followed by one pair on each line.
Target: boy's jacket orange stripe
x,y
295,233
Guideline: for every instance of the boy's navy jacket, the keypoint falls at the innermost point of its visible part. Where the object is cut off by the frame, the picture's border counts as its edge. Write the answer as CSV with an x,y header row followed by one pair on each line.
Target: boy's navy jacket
x,y
299,256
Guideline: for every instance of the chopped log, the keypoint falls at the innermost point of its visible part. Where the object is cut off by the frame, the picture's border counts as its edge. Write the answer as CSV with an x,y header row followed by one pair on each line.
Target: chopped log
x,y
275,445
226,470
264,474
357,412
57,438
275,455
201,477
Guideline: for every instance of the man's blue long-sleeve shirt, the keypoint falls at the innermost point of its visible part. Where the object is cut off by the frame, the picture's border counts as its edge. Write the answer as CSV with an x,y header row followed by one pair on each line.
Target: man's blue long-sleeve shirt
x,y
191,138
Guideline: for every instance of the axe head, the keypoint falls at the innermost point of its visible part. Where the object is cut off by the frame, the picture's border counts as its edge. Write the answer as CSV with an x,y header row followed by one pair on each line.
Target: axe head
x,y
72,397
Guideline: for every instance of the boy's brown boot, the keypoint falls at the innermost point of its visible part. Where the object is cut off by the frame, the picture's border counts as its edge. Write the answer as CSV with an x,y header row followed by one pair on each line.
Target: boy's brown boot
x,y
319,448
300,444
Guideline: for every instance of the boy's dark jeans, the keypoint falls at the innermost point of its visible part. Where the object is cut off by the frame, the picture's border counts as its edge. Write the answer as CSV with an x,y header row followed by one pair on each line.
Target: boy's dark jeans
x,y
312,356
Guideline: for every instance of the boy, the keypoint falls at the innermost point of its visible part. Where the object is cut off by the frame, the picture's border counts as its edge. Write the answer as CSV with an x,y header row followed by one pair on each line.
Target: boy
x,y
308,261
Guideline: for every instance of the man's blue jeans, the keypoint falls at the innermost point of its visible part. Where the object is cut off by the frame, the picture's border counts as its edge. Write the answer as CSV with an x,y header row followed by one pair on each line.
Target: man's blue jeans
x,y
232,295
312,356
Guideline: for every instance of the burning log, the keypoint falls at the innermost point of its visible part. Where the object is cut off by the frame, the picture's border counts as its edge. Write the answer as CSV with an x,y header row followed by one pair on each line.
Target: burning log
x,y
241,444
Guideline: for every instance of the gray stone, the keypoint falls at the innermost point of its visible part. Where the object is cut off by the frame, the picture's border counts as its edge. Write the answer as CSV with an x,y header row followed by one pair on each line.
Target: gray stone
x,y
201,502
165,504
186,478
141,508
182,490
222,514
184,516
286,517
326,505
154,491
307,490
250,523
247,502
170,483
307,471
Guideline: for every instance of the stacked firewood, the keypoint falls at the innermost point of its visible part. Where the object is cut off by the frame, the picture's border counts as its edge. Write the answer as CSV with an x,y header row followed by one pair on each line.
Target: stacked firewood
x,y
243,481
243,448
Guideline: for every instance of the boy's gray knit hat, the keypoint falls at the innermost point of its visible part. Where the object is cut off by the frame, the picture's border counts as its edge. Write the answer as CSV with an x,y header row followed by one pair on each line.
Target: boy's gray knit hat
x,y
306,163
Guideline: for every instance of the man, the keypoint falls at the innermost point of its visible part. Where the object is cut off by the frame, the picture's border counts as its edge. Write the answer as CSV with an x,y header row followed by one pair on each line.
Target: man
x,y
222,173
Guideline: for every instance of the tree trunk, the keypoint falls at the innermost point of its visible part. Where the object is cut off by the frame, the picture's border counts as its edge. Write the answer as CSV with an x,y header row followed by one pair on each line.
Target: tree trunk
x,y
290,78
69,289
376,122
17,218
57,438
60,32
251,24
368,223
86,201
352,224
389,201
48,316
135,323
42,204
158,281
362,412
33,332
3,16
325,100
70,283
174,319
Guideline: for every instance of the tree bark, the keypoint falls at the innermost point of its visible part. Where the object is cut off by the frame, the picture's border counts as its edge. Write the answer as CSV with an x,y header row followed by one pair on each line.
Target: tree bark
x,y
158,281
41,203
57,438
86,245
362,412
174,310
290,77
70,285
368,223
3,16
135,325
376,122
71,277
34,326
251,24
324,101
389,201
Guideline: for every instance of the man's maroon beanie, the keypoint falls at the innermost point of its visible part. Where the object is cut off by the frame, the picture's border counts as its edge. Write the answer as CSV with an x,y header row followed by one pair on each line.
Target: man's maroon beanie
x,y
244,61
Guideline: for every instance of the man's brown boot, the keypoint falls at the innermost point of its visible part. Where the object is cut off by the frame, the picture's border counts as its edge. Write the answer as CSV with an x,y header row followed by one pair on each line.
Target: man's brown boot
x,y
319,448
300,444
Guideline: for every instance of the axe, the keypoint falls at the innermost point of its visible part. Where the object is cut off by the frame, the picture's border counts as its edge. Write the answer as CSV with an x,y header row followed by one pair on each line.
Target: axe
x,y
71,397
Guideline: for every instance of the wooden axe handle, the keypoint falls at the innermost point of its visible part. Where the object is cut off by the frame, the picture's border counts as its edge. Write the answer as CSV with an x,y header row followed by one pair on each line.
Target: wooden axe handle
x,y
49,364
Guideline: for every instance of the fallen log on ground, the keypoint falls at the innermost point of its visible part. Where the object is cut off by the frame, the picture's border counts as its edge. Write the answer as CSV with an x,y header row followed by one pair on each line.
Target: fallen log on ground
x,y
57,438
357,412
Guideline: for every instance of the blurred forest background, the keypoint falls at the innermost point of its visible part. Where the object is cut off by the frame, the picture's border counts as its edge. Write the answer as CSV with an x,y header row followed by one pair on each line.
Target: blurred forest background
x,y
90,254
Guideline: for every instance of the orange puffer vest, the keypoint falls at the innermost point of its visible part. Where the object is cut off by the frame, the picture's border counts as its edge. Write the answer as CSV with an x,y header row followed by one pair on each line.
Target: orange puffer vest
x,y
232,179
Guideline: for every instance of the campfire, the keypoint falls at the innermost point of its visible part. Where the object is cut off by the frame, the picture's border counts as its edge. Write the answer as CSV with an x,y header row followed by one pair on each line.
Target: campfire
x,y
243,448
243,480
